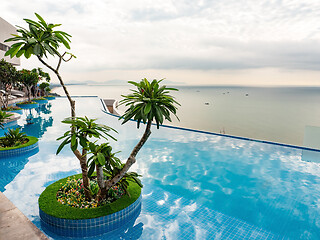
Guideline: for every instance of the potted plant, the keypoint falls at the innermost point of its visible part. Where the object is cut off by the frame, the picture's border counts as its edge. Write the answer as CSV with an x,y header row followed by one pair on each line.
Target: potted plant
x,y
151,102
109,180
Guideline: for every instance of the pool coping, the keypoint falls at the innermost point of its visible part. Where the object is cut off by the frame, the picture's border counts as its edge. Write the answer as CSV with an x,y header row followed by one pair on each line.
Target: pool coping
x,y
105,110
14,224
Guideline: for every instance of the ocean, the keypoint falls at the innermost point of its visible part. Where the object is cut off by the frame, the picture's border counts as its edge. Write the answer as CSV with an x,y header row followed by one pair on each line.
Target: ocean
x,y
278,114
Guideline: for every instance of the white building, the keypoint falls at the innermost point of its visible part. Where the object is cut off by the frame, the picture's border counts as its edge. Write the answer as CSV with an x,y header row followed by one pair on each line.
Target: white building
x,y
6,29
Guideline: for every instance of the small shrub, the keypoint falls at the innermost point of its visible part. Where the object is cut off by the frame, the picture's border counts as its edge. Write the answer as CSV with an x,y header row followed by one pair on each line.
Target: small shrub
x,y
13,138
72,194
3,117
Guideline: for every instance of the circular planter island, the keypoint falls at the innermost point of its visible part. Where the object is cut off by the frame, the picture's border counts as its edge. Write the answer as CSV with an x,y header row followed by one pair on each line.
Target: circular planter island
x,y
23,149
85,222
27,105
13,109
40,100
50,97
19,111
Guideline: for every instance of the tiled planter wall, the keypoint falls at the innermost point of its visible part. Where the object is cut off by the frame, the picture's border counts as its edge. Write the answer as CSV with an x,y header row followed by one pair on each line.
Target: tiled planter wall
x,y
19,151
90,227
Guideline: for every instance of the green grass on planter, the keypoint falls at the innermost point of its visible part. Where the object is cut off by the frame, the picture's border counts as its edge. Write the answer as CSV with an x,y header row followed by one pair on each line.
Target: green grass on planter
x,y
22,103
40,98
32,140
11,108
48,203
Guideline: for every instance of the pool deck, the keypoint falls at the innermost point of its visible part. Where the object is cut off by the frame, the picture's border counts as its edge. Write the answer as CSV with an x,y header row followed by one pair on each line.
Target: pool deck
x,y
14,225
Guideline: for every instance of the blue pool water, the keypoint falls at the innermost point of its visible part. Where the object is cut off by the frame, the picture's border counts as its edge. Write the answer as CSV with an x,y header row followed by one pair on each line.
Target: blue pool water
x,y
196,185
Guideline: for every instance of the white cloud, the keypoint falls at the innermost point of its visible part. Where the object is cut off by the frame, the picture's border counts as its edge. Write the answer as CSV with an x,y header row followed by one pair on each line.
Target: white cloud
x,y
176,35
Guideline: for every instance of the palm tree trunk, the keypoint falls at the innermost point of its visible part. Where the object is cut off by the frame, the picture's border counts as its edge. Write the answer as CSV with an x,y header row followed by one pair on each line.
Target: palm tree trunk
x,y
131,159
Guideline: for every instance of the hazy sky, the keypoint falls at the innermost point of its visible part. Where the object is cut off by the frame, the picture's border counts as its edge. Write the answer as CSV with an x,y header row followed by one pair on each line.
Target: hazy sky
x,y
195,42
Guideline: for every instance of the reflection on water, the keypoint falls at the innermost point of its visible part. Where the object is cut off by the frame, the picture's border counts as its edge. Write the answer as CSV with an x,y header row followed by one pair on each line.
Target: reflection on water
x,y
36,122
34,126
10,168
197,186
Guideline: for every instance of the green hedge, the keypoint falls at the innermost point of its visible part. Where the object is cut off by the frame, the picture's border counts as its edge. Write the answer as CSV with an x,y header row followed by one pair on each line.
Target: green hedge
x,y
32,140
48,203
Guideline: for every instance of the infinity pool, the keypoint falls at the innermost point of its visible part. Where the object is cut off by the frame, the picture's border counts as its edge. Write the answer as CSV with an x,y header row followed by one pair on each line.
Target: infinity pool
x,y
196,185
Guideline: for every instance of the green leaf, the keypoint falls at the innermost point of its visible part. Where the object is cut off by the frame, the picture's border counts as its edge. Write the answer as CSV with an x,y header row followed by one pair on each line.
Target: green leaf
x,y
74,142
32,22
41,20
15,50
66,141
28,53
83,142
101,159
73,139
65,43
91,169
9,51
37,49
92,147
20,53
147,108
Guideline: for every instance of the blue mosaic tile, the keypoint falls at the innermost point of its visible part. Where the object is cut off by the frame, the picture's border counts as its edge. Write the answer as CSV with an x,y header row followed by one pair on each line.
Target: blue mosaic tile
x,y
41,101
28,106
10,124
90,227
19,151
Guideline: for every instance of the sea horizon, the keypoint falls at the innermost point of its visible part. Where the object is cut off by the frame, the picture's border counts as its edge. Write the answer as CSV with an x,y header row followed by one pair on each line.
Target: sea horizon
x,y
271,113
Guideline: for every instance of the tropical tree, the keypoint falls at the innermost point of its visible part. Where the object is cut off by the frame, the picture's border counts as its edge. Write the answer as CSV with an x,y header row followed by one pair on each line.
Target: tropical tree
x,y
149,102
45,88
43,76
84,129
8,79
42,40
29,79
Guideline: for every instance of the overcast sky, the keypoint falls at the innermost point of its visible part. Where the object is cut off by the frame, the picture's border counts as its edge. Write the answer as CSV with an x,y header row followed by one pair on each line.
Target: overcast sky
x,y
194,42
